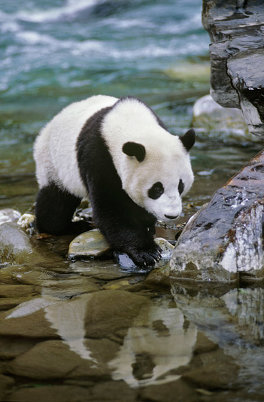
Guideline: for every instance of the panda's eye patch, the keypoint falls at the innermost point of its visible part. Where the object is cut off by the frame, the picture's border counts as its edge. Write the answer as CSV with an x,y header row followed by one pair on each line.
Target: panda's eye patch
x,y
180,186
156,190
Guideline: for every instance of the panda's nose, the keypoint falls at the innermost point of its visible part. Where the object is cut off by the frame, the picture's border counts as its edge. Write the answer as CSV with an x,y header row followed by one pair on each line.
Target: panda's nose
x,y
171,217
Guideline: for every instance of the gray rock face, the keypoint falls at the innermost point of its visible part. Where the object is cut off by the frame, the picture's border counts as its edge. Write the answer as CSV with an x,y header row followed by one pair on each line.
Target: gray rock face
x,y
223,242
236,30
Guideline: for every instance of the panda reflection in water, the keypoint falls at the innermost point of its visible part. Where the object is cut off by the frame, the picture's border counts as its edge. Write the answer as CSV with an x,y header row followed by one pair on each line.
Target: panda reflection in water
x,y
119,152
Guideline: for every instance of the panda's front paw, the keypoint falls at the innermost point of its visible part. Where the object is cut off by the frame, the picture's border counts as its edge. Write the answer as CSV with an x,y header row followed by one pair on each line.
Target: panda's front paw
x,y
145,258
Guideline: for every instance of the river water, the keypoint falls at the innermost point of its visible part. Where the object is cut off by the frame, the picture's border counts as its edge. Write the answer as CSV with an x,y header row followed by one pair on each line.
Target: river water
x,y
78,331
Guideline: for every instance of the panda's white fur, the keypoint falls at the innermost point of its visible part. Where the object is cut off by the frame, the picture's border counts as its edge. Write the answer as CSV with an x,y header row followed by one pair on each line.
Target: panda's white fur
x,y
55,146
117,151
166,160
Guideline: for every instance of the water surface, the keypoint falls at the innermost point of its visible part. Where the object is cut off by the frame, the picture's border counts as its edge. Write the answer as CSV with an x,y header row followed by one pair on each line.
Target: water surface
x,y
81,331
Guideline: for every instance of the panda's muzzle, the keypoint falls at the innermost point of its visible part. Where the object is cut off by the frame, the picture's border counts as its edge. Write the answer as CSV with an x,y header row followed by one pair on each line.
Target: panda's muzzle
x,y
170,217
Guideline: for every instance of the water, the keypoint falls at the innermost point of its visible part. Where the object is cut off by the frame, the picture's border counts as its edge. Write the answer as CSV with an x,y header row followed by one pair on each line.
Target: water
x,y
89,331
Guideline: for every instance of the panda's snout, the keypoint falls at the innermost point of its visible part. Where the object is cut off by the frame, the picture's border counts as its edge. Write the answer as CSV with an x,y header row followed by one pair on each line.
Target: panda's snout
x,y
171,217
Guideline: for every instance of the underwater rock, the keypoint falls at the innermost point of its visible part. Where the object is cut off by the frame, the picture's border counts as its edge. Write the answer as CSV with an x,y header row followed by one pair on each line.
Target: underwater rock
x,y
14,244
237,57
223,242
220,123
9,215
88,244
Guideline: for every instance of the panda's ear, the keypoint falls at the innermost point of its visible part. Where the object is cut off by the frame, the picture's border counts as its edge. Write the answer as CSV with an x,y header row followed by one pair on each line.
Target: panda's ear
x,y
134,149
188,139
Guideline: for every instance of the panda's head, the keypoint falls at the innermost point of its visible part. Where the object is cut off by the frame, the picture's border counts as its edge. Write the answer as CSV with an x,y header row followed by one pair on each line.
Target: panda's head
x,y
156,179
153,165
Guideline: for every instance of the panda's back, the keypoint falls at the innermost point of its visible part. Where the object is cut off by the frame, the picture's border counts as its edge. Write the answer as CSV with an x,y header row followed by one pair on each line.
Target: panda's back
x,y
55,146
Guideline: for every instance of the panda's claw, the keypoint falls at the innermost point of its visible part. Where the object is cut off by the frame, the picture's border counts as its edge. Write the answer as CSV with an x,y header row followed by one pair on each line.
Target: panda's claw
x,y
145,258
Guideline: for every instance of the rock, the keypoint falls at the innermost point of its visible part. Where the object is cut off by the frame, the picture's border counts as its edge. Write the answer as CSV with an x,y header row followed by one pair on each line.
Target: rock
x,y
233,320
237,57
5,384
54,393
26,324
100,392
88,244
9,215
212,121
223,242
53,360
14,244
103,270
26,222
11,347
16,290
111,311
168,392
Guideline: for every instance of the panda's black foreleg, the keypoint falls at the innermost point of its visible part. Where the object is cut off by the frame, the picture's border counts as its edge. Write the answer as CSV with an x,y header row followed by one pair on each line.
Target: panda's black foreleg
x,y
54,210
136,240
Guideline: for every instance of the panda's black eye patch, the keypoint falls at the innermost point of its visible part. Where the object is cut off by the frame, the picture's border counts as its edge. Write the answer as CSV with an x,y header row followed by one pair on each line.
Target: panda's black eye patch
x,y
180,186
156,190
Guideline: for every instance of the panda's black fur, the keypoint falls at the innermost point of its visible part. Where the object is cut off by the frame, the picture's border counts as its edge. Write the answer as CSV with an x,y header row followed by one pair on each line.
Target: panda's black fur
x,y
128,227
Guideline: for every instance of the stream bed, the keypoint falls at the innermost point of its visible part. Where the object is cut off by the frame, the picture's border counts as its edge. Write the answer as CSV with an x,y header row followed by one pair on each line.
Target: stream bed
x,y
73,331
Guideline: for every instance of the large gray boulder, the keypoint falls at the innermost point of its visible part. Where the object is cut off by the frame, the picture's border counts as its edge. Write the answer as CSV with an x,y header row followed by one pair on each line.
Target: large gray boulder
x,y
237,57
223,242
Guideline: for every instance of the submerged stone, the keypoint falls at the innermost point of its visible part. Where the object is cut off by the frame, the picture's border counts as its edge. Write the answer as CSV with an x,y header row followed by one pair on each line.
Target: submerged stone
x,y
88,244
14,244
223,242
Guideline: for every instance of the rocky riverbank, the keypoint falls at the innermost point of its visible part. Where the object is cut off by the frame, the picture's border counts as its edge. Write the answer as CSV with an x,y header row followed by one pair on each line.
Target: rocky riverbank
x,y
236,29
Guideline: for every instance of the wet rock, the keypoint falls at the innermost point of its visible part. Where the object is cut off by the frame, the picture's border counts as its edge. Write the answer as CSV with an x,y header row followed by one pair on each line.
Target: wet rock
x,y
11,347
111,311
223,242
212,121
237,58
5,384
53,360
14,244
16,290
168,392
26,222
54,393
8,303
103,270
233,320
88,244
101,392
203,344
9,215
26,324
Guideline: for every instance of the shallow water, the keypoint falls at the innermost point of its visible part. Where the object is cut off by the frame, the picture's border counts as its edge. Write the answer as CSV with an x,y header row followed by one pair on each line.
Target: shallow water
x,y
81,331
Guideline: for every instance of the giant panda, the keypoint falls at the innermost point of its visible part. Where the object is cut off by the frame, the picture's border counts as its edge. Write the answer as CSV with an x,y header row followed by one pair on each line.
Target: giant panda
x,y
119,153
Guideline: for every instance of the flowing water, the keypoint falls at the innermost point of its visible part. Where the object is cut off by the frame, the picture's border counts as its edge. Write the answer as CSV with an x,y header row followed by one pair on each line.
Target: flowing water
x,y
89,331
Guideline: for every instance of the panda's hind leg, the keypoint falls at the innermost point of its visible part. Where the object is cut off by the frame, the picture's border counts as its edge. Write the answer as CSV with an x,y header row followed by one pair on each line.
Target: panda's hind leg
x,y
54,211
